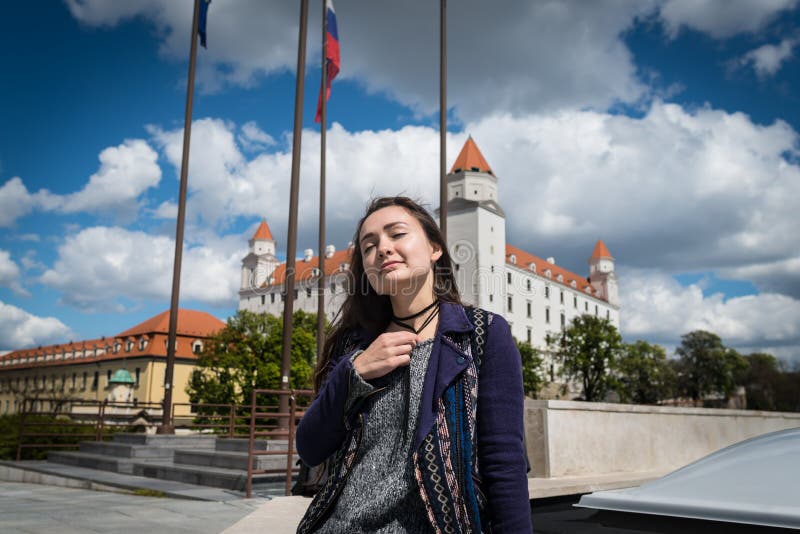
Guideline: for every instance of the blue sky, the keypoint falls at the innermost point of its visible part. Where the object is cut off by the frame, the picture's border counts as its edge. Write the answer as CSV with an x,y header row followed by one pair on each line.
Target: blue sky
x,y
666,128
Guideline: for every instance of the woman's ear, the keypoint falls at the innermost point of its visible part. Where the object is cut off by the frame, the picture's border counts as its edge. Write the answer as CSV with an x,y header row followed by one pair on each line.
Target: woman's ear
x,y
437,252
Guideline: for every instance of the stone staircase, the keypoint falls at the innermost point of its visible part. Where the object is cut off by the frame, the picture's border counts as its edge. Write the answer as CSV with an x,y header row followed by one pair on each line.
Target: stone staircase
x,y
190,459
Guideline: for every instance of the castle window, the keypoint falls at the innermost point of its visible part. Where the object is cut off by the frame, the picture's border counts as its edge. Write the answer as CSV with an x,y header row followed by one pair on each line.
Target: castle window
x,y
138,373
532,267
491,299
295,294
529,336
575,301
83,381
108,377
508,277
117,346
197,346
547,315
560,277
272,298
263,299
547,292
128,347
96,380
333,287
595,309
608,314
513,259
548,274
586,306
563,321
528,284
562,297
573,284
528,308
308,292
142,343
510,303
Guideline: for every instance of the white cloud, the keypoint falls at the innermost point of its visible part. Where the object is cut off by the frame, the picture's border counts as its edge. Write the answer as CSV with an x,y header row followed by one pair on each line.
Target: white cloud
x,y
165,210
657,308
126,171
766,60
679,190
9,274
16,201
721,18
20,329
99,266
254,138
513,51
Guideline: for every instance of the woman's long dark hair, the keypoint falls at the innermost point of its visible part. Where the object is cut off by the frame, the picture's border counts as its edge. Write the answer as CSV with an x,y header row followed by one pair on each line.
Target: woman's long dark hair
x,y
365,308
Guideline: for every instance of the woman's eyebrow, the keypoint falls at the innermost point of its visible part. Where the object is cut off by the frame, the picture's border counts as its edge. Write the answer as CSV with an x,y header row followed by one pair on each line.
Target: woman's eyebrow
x,y
385,227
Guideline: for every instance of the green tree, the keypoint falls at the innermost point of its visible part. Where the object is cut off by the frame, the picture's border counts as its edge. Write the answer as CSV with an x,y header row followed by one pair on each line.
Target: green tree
x,y
761,380
587,351
246,354
707,366
644,375
533,371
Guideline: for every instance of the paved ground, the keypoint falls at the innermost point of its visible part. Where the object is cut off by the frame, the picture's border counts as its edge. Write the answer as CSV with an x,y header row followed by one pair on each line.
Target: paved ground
x,y
35,508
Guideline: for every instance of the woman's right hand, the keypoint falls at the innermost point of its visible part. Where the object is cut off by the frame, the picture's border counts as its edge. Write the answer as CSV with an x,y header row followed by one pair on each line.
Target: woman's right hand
x,y
389,351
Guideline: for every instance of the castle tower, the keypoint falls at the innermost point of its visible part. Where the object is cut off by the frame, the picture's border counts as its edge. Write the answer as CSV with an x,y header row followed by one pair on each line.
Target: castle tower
x,y
601,273
476,229
260,262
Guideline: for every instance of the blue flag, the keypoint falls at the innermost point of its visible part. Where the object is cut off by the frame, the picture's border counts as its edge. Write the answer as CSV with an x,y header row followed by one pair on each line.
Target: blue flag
x,y
201,25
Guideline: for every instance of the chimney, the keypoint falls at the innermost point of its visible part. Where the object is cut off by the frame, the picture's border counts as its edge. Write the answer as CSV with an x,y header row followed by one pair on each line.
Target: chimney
x,y
308,254
551,260
329,250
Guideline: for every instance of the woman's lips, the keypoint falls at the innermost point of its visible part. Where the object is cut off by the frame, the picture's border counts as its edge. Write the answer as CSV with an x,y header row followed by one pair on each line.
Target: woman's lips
x,y
389,264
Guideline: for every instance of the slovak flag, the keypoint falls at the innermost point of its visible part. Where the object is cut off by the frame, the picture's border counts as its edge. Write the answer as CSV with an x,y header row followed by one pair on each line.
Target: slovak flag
x,y
332,59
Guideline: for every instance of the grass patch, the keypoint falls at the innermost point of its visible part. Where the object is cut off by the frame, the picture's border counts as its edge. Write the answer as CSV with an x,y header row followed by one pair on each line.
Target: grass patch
x,y
142,492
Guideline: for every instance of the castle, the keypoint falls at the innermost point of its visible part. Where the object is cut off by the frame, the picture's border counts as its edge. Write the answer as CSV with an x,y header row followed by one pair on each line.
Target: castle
x,y
535,295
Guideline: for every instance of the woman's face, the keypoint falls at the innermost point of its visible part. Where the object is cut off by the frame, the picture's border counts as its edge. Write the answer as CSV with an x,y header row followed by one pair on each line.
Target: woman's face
x,y
397,256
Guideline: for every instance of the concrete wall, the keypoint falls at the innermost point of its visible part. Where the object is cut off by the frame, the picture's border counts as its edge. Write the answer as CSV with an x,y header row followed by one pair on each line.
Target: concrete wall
x,y
569,438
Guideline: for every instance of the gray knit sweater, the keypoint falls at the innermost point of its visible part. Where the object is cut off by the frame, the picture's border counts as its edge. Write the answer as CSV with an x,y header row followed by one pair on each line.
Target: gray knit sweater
x,y
381,494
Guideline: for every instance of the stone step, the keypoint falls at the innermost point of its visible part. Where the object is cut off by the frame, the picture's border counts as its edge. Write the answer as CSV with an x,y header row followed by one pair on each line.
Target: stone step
x,y
192,441
125,450
233,479
92,461
229,460
241,445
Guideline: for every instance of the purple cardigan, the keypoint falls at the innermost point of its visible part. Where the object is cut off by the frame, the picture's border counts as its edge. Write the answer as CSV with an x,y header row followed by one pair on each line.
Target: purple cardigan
x,y
501,455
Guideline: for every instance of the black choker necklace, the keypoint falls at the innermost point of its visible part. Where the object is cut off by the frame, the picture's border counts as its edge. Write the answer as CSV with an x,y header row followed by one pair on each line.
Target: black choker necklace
x,y
398,320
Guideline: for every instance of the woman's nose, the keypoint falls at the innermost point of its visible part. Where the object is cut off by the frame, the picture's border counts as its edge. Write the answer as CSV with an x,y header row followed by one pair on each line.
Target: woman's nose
x,y
384,248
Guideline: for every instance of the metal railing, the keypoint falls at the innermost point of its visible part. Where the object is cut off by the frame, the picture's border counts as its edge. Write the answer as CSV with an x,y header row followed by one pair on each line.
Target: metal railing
x,y
76,420
280,425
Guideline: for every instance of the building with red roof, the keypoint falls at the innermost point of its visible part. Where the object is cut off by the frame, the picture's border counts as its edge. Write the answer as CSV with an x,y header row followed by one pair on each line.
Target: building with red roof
x,y
536,295
86,369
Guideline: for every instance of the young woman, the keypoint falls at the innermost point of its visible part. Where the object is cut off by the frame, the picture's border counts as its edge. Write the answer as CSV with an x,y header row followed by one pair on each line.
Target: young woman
x,y
419,401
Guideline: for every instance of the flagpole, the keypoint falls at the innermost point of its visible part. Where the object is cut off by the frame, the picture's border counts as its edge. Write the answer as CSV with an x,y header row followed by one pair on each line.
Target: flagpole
x,y
443,119
291,241
323,126
167,426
